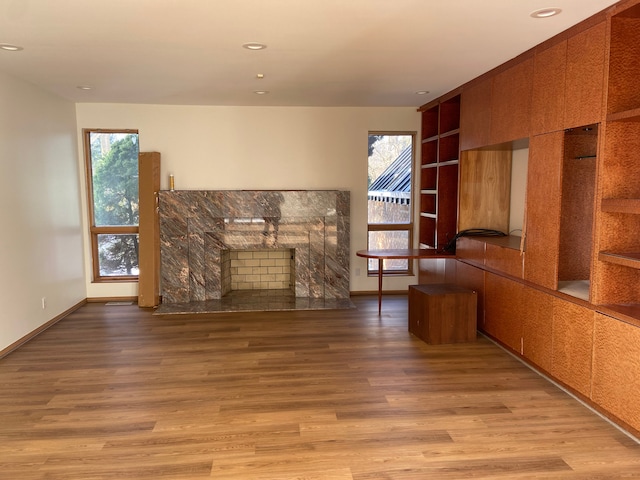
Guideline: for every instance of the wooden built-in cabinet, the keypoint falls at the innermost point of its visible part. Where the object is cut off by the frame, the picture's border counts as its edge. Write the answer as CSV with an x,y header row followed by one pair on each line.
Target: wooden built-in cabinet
x,y
586,52
566,296
440,153
617,276
511,103
548,91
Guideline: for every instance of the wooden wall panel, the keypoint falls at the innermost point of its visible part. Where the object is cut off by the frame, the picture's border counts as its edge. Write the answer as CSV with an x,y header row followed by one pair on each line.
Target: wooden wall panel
x,y
470,250
616,368
572,342
547,103
472,278
505,260
475,115
537,325
585,76
511,103
624,68
543,209
149,230
485,187
503,305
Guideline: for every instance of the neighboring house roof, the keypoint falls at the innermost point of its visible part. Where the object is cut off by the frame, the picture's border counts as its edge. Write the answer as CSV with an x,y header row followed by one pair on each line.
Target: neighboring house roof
x,y
394,184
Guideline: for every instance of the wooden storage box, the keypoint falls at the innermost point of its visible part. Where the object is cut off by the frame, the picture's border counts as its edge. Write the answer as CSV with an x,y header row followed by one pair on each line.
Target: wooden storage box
x,y
442,313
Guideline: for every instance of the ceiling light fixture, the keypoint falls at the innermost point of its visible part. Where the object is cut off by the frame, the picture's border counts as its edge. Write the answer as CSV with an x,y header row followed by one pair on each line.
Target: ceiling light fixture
x,y
261,92
254,46
10,48
260,76
84,87
545,12
422,92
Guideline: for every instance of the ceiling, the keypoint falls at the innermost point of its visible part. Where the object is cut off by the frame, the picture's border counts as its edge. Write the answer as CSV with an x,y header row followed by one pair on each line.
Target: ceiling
x,y
319,52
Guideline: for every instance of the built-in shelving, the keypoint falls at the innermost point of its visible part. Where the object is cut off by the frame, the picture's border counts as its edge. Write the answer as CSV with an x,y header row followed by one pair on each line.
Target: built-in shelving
x,y
621,205
628,259
618,219
440,149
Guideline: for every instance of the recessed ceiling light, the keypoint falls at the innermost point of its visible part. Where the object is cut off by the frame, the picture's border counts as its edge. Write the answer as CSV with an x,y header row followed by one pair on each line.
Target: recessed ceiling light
x,y
422,92
545,12
260,92
260,76
10,48
84,87
254,46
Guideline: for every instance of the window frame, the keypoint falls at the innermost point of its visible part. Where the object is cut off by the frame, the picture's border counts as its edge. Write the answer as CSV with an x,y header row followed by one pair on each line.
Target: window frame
x,y
95,231
372,271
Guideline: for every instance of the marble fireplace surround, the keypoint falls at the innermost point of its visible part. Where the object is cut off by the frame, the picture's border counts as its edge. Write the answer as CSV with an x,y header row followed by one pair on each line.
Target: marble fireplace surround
x,y
197,226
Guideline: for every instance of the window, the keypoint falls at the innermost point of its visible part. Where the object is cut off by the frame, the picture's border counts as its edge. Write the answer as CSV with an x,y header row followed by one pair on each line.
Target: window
x,y
112,184
390,217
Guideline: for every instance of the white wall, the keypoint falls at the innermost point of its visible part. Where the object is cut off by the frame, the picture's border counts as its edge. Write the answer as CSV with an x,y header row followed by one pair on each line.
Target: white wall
x,y
519,165
41,243
230,148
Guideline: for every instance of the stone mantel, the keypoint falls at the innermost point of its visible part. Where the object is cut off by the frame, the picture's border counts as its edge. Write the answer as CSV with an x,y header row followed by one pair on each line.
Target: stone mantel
x,y
196,226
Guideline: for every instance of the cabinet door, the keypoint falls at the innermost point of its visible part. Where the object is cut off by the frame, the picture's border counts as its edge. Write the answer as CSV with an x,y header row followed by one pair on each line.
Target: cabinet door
x,y
473,279
585,76
547,103
544,184
475,115
511,103
503,305
616,368
537,324
572,342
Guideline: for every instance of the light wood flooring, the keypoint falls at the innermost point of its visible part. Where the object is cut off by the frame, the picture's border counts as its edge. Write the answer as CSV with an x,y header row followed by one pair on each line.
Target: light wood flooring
x,y
113,392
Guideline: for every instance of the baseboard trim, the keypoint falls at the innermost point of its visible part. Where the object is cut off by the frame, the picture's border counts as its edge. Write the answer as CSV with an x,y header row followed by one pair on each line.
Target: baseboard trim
x,y
18,343
112,299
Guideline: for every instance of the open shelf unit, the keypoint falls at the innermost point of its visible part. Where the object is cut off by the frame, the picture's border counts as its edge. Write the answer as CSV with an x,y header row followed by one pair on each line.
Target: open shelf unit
x,y
440,153
618,216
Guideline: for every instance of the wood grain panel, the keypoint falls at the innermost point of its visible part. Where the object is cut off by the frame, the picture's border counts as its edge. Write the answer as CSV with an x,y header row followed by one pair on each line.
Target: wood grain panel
x,y
544,177
511,103
616,368
149,230
471,250
503,306
472,278
572,342
624,69
505,260
537,327
620,176
585,77
548,97
475,115
485,187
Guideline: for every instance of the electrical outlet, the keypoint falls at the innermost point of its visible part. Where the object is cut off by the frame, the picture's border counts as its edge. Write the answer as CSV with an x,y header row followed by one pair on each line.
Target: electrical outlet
x,y
44,302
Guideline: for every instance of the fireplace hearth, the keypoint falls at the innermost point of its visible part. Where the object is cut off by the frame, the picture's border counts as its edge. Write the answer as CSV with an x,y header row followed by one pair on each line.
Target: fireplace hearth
x,y
199,228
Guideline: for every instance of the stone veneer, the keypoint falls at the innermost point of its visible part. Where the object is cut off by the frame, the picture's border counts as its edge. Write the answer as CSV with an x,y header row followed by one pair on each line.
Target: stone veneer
x,y
198,227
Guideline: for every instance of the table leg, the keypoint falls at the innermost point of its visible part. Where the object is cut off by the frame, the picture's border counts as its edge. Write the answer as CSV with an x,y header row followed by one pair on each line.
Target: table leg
x,y
380,267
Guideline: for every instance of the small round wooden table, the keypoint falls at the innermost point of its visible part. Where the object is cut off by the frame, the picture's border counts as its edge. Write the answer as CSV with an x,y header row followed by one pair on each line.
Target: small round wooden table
x,y
404,254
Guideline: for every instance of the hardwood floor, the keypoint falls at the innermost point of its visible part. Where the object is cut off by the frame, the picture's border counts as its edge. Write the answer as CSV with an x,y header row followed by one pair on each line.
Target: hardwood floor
x,y
115,392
